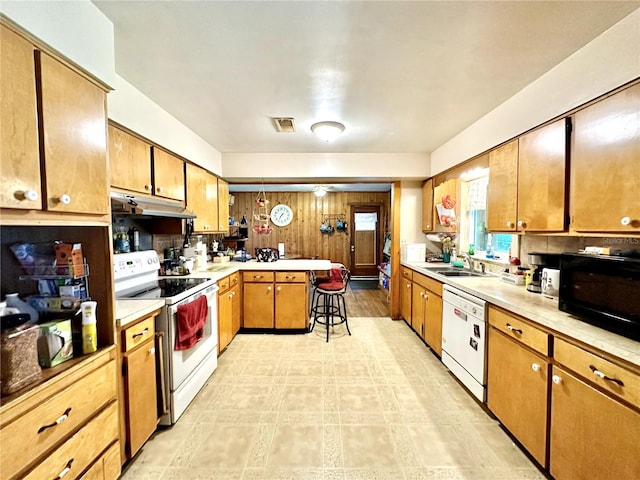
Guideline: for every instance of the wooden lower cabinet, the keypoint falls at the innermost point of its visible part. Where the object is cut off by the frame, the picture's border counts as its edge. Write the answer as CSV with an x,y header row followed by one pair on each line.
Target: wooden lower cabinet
x,y
140,383
426,310
276,300
593,436
405,299
228,310
69,422
518,391
106,467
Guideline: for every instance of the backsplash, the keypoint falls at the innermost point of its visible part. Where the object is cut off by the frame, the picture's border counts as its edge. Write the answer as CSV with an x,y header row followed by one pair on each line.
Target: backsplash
x,y
552,244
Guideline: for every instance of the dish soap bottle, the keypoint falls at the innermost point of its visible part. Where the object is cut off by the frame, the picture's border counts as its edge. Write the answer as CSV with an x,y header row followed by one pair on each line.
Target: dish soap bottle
x,y
89,331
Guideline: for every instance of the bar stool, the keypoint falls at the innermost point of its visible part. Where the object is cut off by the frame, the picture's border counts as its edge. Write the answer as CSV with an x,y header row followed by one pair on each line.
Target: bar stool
x,y
328,300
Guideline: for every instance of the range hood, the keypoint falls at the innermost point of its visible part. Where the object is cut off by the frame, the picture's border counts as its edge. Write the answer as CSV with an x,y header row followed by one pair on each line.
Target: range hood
x,y
126,204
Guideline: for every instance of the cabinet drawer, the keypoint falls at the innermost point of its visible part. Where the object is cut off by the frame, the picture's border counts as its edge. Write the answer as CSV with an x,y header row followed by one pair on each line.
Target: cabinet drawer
x,y
234,279
406,273
257,277
223,284
520,329
428,283
79,451
139,333
291,277
607,375
20,440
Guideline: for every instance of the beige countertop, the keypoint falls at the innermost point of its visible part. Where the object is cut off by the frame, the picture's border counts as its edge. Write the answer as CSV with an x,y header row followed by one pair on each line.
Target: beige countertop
x,y
539,309
128,310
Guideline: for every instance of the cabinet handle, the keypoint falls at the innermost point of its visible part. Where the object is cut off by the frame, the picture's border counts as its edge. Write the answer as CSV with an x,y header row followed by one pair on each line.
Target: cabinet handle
x,y
290,277
514,330
509,224
232,294
66,470
148,186
159,189
535,367
58,421
408,285
598,373
522,224
257,277
268,288
152,351
556,379
141,334
279,288
625,221
428,227
30,195
64,199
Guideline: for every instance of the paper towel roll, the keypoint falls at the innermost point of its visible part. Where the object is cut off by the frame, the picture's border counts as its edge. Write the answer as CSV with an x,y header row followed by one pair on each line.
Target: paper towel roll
x,y
281,250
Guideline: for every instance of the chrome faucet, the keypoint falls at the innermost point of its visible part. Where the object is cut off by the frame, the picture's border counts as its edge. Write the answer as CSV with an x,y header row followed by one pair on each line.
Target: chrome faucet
x,y
467,258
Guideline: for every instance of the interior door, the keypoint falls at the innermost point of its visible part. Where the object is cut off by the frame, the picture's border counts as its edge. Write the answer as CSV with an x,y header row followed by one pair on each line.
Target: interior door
x,y
365,240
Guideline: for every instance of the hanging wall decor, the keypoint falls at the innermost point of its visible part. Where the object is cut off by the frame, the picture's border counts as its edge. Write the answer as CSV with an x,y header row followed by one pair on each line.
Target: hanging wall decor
x,y
261,214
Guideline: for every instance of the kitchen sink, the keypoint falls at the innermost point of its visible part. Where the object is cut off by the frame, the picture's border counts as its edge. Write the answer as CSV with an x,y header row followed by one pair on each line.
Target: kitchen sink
x,y
456,272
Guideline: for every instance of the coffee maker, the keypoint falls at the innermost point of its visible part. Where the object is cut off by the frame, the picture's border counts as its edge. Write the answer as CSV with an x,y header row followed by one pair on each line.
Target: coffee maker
x,y
538,261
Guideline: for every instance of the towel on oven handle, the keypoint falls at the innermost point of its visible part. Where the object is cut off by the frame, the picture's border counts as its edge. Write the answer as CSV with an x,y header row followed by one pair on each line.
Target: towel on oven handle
x,y
190,323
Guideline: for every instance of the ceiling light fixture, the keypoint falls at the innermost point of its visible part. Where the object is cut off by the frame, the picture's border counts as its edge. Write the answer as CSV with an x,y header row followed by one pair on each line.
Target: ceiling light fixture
x,y
327,131
320,190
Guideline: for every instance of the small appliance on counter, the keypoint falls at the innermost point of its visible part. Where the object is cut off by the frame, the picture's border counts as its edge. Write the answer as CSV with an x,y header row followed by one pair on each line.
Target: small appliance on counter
x,y
539,261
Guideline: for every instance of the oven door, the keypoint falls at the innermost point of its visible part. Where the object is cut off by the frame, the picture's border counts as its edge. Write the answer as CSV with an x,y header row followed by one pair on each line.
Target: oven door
x,y
183,363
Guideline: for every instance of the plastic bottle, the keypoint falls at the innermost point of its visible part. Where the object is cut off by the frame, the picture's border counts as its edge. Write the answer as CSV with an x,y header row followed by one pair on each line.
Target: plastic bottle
x,y
89,331
14,301
134,239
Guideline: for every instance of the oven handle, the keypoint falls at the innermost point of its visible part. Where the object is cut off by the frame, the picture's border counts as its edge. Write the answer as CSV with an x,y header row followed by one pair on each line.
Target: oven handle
x,y
161,391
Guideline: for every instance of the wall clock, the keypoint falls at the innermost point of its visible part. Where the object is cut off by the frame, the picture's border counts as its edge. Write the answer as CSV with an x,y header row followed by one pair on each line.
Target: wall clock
x,y
281,215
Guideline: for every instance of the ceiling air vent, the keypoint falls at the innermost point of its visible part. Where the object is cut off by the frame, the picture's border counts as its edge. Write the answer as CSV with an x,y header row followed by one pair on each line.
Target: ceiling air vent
x,y
285,124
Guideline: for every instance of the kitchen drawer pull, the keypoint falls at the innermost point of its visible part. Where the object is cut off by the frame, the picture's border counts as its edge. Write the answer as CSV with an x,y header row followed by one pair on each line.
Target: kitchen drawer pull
x,y
58,421
31,195
257,277
514,329
159,189
141,334
598,373
66,470
535,367
268,289
290,277
64,199
556,379
279,288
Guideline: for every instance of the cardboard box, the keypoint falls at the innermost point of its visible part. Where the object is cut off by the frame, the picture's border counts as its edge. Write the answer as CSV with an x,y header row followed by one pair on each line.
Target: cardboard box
x,y
70,255
55,343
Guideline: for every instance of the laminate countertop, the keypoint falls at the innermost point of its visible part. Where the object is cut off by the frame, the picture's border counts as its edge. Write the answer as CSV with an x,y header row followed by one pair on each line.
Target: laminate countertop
x,y
537,308
216,271
129,310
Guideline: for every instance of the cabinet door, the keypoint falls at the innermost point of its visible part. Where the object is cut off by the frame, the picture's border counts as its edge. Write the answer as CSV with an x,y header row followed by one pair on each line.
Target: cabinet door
x,y
236,309
74,125
592,436
541,178
605,171
502,194
291,305
225,312
449,188
258,305
418,307
405,300
427,206
142,411
433,322
197,197
19,155
168,175
130,162
223,206
211,202
517,392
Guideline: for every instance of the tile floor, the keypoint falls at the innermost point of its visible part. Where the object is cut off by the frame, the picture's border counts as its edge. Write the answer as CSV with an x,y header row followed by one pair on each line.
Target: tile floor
x,y
374,406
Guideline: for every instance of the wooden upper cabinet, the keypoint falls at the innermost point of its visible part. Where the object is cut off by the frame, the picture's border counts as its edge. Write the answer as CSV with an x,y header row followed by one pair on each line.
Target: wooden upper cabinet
x,y
19,156
449,188
502,194
223,206
427,206
74,129
605,165
130,161
168,175
541,178
202,199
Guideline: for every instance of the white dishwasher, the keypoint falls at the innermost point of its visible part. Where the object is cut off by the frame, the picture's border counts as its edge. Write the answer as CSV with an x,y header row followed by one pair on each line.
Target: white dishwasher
x,y
464,339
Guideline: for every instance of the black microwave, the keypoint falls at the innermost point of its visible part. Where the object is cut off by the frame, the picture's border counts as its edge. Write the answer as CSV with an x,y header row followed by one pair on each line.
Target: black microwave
x,y
602,290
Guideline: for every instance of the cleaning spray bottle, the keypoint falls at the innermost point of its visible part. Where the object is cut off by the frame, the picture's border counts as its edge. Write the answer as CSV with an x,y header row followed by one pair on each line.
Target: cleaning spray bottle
x,y
89,331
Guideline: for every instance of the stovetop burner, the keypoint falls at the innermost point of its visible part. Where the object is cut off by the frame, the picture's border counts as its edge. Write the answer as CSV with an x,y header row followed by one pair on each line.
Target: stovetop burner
x,y
170,287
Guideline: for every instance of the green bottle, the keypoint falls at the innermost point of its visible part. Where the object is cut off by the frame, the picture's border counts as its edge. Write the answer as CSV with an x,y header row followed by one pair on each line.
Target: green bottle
x,y
471,249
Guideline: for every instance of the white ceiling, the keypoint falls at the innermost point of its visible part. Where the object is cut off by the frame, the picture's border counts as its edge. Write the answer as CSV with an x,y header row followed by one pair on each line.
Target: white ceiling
x,y
402,76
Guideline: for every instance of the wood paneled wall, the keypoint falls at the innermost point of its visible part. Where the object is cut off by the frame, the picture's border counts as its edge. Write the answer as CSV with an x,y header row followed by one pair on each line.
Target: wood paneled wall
x,y
302,236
